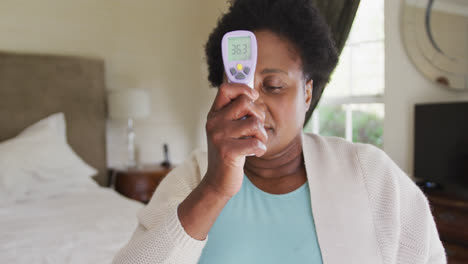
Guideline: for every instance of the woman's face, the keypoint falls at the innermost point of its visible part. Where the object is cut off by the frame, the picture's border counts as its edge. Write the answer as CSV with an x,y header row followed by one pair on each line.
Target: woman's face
x,y
284,94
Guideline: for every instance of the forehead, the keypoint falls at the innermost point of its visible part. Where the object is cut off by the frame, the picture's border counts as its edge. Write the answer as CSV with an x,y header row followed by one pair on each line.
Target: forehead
x,y
277,52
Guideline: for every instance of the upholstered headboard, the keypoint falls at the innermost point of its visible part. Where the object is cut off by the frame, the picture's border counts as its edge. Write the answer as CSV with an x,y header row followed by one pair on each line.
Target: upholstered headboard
x,y
35,86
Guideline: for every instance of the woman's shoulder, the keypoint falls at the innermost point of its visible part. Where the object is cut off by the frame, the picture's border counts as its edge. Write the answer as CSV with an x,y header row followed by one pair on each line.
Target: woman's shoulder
x,y
331,144
365,154
401,212
174,188
379,172
192,169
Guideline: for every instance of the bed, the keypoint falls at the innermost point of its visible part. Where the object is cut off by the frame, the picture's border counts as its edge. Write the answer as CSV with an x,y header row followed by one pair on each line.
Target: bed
x,y
53,208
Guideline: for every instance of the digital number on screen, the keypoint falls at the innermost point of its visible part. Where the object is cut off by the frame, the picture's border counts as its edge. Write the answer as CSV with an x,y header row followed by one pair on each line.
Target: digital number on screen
x,y
239,48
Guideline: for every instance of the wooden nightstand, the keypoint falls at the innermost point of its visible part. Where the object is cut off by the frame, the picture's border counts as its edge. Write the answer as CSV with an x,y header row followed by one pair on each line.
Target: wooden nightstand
x,y
138,183
451,216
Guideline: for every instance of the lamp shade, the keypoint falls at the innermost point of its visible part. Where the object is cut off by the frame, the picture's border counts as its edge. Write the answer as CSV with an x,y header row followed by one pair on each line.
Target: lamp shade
x,y
129,103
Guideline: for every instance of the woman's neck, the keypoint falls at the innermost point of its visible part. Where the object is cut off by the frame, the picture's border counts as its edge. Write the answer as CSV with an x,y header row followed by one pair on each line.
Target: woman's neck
x,y
281,173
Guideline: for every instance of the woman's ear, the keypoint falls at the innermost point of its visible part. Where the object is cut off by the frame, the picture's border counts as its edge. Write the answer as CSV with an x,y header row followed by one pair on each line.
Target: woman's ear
x,y
308,93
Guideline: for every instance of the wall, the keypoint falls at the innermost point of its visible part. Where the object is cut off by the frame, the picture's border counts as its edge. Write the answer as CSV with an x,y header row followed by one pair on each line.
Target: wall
x,y
404,87
158,45
153,45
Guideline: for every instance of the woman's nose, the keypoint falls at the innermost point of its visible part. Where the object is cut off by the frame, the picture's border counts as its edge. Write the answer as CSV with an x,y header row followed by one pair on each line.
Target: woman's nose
x,y
260,102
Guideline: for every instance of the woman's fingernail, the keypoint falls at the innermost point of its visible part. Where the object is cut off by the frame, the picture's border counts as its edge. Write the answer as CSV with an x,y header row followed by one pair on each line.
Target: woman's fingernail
x,y
255,94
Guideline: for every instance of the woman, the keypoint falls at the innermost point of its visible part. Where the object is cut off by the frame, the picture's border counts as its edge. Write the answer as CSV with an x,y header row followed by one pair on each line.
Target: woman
x,y
300,198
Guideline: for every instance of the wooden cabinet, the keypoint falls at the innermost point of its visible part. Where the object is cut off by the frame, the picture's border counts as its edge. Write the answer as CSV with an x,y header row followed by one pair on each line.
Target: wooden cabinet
x,y
139,183
451,217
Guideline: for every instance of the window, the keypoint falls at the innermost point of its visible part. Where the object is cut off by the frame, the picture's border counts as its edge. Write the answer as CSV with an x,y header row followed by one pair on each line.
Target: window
x,y
352,103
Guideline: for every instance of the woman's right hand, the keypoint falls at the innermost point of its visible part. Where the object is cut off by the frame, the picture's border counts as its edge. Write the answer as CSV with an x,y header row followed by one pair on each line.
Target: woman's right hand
x,y
231,137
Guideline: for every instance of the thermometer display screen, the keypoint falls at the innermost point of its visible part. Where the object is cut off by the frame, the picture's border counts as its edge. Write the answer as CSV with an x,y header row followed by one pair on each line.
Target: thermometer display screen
x,y
239,48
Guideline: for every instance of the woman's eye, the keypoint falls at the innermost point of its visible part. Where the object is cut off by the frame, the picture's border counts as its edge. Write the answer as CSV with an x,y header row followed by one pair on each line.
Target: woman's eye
x,y
273,88
273,85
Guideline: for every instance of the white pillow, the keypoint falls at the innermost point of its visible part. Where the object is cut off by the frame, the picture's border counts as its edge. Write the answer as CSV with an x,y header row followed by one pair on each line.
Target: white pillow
x,y
55,122
40,155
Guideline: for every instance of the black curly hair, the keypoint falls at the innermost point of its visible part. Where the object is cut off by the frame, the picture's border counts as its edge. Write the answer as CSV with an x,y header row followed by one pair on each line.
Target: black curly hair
x,y
296,20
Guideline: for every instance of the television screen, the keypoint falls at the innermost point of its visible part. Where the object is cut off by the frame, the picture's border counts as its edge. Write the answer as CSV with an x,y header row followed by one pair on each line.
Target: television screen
x,y
441,144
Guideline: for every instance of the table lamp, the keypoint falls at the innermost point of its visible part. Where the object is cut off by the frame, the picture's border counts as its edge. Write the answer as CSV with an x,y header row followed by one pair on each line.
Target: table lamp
x,y
129,104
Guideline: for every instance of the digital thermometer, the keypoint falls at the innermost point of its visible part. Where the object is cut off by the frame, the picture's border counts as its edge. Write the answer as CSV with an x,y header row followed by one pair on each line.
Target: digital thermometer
x,y
239,49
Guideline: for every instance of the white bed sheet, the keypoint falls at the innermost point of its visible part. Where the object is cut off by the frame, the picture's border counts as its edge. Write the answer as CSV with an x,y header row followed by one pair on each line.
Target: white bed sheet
x,y
88,224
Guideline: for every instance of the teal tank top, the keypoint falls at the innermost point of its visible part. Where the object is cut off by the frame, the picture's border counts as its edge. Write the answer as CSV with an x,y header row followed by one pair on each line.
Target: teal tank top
x,y
263,228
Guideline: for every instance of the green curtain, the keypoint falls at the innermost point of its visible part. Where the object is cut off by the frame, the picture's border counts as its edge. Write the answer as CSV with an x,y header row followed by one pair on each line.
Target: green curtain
x,y
339,15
